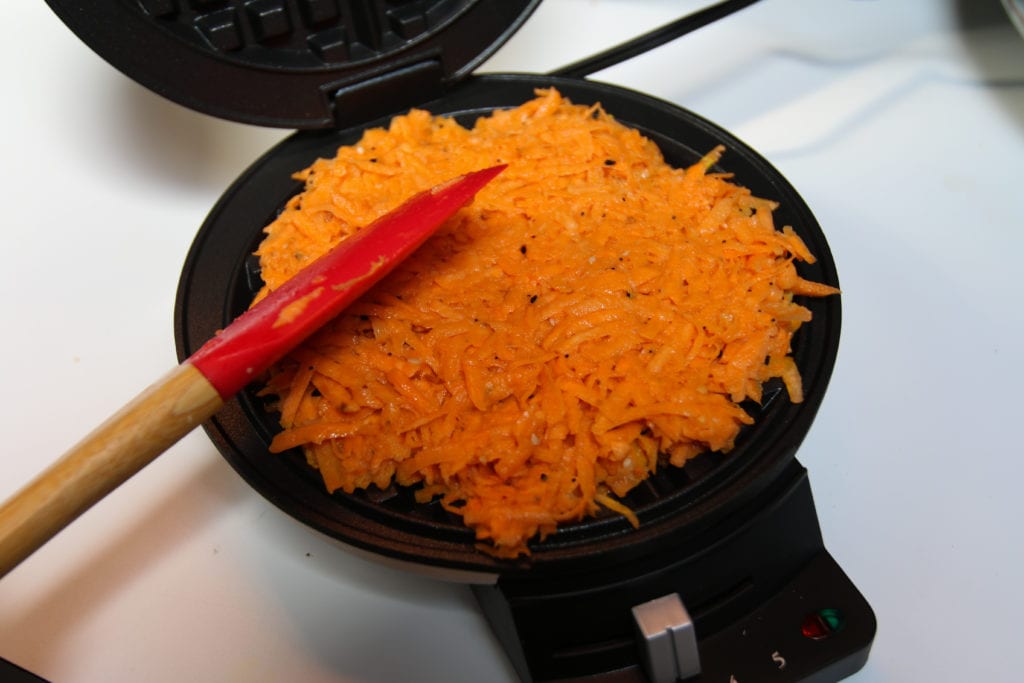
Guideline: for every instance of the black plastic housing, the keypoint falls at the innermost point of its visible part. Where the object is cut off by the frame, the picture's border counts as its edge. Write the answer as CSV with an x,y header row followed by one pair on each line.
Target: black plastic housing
x,y
748,583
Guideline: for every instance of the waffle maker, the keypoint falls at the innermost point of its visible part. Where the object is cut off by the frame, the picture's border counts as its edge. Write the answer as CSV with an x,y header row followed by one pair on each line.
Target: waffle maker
x,y
727,579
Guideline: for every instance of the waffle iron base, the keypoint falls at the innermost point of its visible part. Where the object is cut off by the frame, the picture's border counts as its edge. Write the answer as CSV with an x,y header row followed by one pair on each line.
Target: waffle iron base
x,y
767,600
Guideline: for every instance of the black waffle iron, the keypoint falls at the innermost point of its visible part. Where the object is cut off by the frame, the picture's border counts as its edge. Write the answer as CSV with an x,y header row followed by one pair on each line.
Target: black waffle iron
x,y
727,578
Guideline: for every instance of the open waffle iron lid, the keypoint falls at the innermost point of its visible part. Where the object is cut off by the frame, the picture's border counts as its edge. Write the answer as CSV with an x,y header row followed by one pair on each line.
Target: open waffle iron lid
x,y
295,63
339,68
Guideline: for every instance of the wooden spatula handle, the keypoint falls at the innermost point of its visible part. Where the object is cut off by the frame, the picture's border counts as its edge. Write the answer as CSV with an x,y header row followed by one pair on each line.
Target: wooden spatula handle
x,y
112,453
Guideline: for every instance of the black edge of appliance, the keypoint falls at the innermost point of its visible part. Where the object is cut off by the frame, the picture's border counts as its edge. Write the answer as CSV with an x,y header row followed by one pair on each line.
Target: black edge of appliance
x,y
734,538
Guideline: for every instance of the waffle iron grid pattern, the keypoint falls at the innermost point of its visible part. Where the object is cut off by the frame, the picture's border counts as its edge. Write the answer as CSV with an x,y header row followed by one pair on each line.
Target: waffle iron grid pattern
x,y
300,33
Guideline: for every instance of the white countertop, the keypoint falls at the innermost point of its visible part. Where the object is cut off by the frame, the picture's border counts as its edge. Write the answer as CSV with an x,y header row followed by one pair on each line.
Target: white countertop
x,y
900,123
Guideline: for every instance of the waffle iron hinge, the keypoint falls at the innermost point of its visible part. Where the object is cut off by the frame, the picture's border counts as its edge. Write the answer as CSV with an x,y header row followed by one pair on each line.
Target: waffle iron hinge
x,y
383,94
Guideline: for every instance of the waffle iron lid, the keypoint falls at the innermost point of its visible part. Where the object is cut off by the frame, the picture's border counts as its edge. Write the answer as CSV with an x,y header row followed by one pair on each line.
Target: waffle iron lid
x,y
295,63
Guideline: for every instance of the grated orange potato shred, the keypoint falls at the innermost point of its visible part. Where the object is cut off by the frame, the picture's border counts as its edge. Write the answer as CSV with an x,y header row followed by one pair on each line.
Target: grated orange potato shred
x,y
593,315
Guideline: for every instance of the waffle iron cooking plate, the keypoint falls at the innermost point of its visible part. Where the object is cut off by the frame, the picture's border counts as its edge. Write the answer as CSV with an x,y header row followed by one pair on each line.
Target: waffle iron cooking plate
x,y
734,538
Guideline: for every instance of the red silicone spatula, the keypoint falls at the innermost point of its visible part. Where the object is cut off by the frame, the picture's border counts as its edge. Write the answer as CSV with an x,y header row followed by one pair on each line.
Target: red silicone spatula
x,y
197,388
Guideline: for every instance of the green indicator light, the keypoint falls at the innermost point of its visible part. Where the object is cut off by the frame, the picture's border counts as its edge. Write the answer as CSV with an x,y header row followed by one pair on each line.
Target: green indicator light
x,y
832,617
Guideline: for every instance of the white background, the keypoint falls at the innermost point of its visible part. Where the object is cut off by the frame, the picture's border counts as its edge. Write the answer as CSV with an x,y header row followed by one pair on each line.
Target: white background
x,y
900,122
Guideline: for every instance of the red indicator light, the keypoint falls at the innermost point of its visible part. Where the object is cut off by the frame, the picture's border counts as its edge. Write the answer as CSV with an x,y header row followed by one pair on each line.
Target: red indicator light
x,y
822,624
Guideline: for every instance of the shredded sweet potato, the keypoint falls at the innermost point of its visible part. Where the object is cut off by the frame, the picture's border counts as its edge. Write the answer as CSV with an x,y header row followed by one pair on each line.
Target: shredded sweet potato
x,y
592,315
